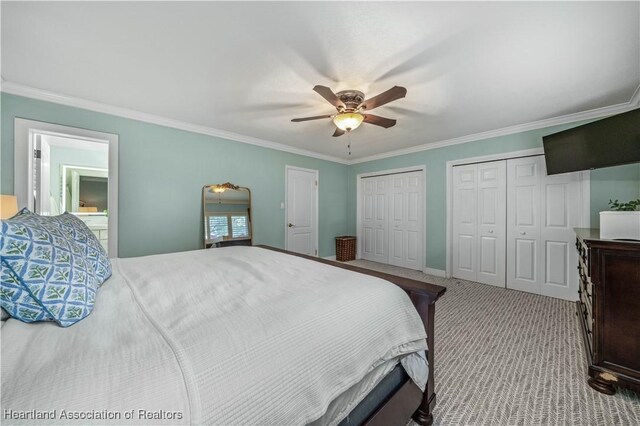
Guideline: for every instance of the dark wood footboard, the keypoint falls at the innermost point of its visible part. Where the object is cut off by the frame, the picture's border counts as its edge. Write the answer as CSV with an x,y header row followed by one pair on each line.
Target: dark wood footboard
x,y
423,296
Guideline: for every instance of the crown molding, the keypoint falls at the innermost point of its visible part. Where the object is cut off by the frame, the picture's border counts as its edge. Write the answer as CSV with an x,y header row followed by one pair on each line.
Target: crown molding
x,y
43,95
519,128
30,92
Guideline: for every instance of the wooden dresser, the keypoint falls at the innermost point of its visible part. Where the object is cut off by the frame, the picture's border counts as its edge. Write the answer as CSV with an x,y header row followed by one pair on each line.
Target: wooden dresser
x,y
609,309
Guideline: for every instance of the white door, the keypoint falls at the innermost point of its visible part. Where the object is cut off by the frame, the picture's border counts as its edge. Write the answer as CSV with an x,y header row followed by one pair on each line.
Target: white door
x,y
523,223
492,230
374,218
561,206
405,220
302,206
542,212
479,222
465,224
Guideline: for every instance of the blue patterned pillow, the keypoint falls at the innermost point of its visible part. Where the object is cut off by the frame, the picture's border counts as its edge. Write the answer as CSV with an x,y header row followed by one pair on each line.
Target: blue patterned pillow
x,y
75,229
44,274
17,301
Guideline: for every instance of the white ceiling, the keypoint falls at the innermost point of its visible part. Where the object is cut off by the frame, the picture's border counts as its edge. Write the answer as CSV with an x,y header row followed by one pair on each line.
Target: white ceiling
x,y
248,68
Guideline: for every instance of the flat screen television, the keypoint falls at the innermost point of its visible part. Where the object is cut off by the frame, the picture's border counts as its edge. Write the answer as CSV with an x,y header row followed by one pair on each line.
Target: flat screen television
x,y
604,143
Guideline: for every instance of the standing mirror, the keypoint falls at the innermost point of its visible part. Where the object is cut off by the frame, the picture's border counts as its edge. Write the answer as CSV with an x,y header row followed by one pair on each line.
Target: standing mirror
x,y
227,215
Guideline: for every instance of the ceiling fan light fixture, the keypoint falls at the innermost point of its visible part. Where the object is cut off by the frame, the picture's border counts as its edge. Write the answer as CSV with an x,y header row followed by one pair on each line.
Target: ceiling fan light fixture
x,y
348,121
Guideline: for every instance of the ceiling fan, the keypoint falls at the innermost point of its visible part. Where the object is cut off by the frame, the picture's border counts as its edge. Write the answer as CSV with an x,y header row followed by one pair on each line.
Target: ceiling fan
x,y
352,108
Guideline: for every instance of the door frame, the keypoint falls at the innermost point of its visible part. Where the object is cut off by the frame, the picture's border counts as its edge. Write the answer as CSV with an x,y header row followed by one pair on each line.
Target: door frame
x,y
419,168
286,205
585,185
24,139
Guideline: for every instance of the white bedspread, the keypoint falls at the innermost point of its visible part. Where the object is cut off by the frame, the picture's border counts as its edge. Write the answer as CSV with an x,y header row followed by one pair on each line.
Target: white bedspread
x,y
231,336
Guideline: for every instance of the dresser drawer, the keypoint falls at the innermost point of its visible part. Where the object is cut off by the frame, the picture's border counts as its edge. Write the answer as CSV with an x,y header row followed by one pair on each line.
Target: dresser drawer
x,y
583,255
585,282
587,319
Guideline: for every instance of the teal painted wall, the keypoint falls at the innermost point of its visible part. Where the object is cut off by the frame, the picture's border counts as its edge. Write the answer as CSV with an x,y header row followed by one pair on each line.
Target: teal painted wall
x,y
162,171
614,182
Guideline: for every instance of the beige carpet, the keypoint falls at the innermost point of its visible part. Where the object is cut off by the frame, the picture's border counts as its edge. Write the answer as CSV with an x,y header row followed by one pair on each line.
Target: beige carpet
x,y
505,357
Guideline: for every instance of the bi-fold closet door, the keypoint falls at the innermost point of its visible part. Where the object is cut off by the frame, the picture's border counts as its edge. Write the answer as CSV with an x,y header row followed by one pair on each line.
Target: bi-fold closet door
x,y
392,219
513,226
479,222
541,214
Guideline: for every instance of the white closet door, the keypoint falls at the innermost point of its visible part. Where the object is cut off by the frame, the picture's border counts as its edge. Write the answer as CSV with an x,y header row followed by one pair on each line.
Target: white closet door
x,y
374,219
542,212
491,240
465,223
523,223
405,213
561,204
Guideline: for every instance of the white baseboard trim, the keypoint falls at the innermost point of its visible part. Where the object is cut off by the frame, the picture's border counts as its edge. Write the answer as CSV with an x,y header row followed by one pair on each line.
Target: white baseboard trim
x,y
330,257
435,272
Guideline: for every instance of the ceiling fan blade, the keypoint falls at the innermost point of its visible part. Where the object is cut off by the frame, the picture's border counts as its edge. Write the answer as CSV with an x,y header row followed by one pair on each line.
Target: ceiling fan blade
x,y
338,132
379,121
396,92
317,117
328,94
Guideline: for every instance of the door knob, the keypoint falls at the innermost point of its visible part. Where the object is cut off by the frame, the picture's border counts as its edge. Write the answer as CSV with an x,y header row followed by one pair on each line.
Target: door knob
x,y
291,225
491,231
522,233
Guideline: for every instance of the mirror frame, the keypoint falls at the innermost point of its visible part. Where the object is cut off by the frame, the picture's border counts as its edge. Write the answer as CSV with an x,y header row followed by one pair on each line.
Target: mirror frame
x,y
231,241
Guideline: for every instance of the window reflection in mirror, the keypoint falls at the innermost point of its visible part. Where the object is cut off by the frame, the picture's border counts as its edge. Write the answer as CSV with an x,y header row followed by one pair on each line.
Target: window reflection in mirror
x,y
227,215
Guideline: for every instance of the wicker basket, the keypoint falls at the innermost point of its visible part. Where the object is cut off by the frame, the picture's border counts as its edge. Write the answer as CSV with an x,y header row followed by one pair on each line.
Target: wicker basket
x,y
345,248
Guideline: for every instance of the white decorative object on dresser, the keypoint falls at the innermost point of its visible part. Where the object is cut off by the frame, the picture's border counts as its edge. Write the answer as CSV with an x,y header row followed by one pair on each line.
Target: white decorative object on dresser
x,y
615,225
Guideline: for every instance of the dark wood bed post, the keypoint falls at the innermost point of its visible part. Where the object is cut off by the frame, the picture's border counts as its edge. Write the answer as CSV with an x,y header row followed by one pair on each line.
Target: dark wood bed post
x,y
425,305
423,296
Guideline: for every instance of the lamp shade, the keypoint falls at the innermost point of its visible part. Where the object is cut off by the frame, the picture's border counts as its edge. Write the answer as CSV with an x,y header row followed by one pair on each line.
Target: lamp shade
x,y
348,121
8,206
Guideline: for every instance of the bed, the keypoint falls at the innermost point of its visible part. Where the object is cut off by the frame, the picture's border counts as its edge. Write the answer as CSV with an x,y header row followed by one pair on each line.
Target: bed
x,y
235,335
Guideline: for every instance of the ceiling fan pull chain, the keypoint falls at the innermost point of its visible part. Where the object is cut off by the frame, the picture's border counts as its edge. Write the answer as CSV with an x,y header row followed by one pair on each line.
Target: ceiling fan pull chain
x,y
349,141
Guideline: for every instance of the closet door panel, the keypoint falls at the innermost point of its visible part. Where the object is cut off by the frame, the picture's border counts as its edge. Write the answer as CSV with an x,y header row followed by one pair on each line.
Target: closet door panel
x,y
465,223
523,223
413,248
491,223
368,217
414,221
397,211
556,263
380,242
396,253
374,219
406,221
526,252
561,203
